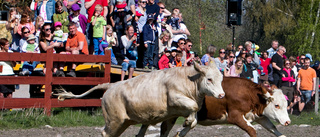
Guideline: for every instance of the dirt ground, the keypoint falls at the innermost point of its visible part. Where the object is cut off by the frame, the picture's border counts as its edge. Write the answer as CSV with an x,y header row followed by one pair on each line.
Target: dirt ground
x,y
198,131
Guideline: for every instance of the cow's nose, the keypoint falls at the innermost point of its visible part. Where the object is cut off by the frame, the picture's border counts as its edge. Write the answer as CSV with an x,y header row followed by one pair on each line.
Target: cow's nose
x,y
287,123
221,95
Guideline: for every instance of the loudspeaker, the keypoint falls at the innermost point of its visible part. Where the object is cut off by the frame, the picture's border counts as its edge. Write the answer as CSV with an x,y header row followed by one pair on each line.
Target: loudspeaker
x,y
234,12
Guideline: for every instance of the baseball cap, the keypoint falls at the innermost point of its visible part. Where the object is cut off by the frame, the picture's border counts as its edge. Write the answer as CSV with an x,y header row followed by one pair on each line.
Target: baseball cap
x,y
75,7
57,24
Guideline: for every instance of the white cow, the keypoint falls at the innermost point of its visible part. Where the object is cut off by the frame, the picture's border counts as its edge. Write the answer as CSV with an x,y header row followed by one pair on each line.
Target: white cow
x,y
159,95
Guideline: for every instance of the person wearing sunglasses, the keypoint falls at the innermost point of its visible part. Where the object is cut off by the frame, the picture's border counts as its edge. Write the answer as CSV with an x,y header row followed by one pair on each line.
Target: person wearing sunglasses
x,y
221,62
25,32
287,80
300,63
277,65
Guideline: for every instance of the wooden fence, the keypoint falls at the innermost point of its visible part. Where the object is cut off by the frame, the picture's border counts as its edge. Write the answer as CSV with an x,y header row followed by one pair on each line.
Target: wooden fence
x,y
48,102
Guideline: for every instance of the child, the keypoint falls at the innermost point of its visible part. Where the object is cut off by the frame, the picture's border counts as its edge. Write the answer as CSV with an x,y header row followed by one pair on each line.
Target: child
x,y
99,28
58,33
164,60
78,18
29,47
149,37
178,62
111,36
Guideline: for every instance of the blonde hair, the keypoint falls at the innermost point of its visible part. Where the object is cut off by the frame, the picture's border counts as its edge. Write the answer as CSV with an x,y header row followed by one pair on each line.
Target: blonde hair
x,y
165,33
108,27
37,22
98,7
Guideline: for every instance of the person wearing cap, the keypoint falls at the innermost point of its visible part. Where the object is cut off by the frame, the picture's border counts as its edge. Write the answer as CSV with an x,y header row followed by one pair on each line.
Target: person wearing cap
x,y
164,60
29,47
78,18
58,33
149,39
61,16
80,4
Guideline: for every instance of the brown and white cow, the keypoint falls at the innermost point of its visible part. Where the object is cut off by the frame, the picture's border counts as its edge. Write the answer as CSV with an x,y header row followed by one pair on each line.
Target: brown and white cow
x,y
160,95
245,102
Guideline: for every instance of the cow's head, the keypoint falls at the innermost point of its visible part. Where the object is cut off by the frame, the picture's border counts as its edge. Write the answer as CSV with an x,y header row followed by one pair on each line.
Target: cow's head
x,y
277,108
210,80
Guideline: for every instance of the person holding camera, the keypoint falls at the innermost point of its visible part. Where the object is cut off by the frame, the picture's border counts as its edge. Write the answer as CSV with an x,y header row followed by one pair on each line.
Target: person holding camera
x,y
12,26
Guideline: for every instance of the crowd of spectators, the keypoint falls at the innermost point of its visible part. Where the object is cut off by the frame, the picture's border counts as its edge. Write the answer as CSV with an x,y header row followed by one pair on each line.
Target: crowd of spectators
x,y
139,33
294,75
144,34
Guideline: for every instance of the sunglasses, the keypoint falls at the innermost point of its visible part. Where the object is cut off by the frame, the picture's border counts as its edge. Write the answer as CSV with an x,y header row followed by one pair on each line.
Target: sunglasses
x,y
26,32
240,48
182,43
302,58
189,45
48,29
222,52
231,56
162,7
287,63
144,2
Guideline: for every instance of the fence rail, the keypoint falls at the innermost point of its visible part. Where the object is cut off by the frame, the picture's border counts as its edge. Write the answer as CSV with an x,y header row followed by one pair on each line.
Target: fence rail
x,y
48,102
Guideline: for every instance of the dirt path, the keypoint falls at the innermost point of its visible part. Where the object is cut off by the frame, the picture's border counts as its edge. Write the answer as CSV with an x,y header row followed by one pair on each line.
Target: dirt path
x,y
198,131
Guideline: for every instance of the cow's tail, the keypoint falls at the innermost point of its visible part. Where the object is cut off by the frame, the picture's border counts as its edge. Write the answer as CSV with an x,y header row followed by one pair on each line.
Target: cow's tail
x,y
62,96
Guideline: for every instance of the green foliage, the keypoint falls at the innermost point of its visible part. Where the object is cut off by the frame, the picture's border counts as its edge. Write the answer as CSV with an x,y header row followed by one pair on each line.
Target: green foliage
x,y
309,118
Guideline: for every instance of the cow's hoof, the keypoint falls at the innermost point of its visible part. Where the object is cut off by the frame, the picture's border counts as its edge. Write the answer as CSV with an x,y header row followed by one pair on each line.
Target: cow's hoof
x,y
177,135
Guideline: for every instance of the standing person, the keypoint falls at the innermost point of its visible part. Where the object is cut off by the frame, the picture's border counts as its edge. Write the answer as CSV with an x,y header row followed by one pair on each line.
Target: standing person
x,y
211,49
277,65
306,83
300,64
221,63
76,44
62,17
38,25
287,86
45,9
78,18
247,67
26,22
6,70
142,10
149,39
264,63
154,9
12,26
99,28
236,69
164,60
90,6
189,54
273,49
240,47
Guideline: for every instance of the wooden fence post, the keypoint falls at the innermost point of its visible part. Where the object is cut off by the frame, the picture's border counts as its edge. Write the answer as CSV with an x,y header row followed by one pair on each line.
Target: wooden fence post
x,y
316,107
48,89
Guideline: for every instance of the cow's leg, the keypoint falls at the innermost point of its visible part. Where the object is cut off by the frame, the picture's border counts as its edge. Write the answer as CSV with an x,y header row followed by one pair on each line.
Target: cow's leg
x,y
142,131
267,124
114,128
242,122
188,125
166,126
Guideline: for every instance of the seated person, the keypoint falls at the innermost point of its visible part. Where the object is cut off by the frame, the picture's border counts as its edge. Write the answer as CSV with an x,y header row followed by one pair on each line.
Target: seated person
x,y
29,47
6,70
76,44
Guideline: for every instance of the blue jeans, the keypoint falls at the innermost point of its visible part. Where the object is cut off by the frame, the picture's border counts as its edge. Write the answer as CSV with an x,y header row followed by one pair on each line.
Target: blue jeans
x,y
131,64
29,67
96,42
148,55
306,95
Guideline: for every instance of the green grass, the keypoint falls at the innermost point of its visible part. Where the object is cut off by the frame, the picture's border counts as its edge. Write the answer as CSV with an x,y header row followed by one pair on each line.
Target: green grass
x,y
61,117
72,117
